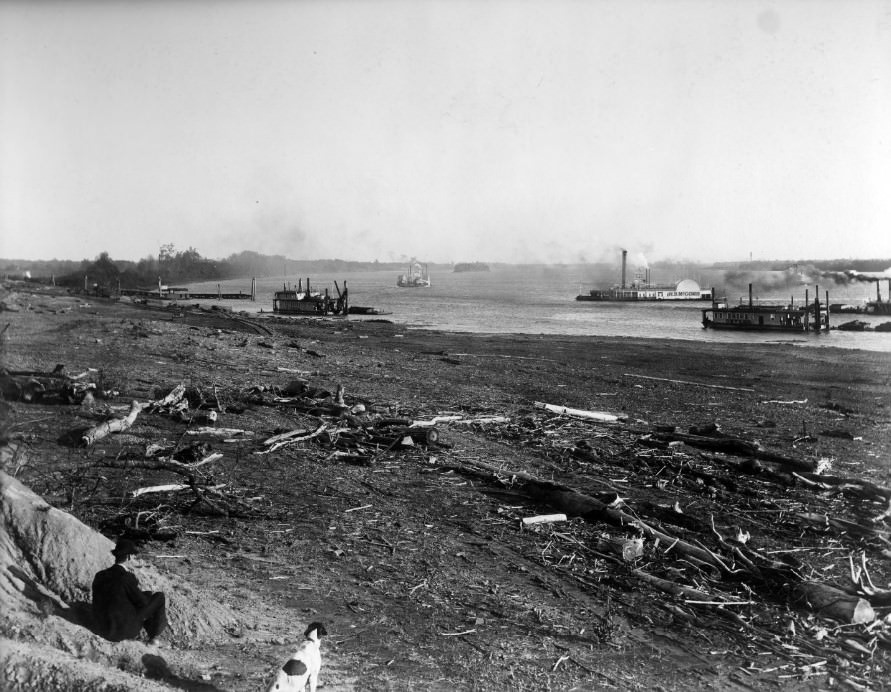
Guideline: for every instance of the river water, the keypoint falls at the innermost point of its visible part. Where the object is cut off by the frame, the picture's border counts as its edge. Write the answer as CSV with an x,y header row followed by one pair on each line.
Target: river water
x,y
541,300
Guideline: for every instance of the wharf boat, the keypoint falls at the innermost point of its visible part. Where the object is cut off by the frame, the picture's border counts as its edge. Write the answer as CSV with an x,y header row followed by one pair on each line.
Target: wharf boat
x,y
641,289
769,315
417,277
296,301
470,267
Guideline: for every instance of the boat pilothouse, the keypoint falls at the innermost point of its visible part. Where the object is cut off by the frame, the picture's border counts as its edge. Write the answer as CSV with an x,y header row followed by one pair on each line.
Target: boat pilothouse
x,y
769,315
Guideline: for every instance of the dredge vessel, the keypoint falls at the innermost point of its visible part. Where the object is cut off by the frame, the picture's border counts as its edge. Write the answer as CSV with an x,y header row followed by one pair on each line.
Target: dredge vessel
x,y
769,315
296,301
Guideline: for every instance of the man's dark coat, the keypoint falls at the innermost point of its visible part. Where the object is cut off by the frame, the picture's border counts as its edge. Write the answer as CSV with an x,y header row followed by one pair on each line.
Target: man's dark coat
x,y
118,604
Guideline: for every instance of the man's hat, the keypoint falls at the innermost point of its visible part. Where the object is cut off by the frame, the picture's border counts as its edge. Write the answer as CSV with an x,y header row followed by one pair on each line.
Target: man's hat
x,y
124,547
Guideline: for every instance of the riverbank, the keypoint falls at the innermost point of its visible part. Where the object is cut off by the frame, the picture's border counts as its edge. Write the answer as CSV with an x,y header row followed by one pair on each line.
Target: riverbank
x,y
416,557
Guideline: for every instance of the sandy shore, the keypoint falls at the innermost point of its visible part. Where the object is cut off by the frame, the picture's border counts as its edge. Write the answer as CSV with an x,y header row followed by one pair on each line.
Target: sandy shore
x,y
418,559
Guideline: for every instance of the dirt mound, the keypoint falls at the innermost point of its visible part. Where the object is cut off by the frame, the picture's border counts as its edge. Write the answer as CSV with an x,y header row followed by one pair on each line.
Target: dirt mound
x,y
48,559
36,667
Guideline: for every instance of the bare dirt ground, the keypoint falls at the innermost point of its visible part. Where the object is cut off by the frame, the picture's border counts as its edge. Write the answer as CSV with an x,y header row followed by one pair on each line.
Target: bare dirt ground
x,y
416,557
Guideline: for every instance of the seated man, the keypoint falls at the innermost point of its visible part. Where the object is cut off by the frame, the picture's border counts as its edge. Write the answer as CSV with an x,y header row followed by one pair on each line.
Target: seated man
x,y
121,609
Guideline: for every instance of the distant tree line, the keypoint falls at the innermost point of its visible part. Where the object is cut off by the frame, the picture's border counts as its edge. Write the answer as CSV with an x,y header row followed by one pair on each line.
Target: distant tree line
x,y
835,265
176,267
105,275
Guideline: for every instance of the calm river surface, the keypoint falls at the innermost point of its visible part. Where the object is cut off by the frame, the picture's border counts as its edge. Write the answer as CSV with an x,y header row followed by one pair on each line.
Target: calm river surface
x,y
541,300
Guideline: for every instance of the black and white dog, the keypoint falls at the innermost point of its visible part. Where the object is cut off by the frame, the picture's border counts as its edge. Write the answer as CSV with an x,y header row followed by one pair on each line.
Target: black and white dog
x,y
303,666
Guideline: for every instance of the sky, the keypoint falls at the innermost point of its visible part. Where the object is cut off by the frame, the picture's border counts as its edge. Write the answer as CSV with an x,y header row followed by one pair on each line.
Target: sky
x,y
446,130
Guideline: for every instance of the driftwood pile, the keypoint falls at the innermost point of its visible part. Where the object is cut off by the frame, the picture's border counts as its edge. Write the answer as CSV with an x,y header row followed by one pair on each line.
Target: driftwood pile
x,y
730,533
740,535
342,430
56,387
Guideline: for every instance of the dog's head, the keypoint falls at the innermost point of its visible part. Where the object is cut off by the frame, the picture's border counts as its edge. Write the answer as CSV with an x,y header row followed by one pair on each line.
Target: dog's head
x,y
315,630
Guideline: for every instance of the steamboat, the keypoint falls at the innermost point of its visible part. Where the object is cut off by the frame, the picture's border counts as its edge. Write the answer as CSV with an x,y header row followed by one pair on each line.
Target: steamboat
x,y
870,307
417,277
641,289
879,306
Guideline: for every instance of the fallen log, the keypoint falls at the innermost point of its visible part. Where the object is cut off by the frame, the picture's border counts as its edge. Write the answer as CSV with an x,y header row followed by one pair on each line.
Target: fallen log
x,y
597,416
857,486
162,464
834,603
219,432
424,436
736,447
173,397
543,519
284,439
694,384
824,521
629,549
482,420
670,587
168,488
95,434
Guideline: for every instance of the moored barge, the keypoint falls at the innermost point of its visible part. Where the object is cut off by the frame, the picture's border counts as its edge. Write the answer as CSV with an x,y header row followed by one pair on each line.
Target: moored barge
x,y
296,301
769,316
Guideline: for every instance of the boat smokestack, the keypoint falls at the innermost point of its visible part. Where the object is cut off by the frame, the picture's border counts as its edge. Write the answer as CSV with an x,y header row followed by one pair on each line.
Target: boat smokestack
x,y
624,259
827,311
750,295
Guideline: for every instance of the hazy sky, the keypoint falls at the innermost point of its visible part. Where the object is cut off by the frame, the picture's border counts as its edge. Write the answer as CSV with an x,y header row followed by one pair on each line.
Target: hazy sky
x,y
495,130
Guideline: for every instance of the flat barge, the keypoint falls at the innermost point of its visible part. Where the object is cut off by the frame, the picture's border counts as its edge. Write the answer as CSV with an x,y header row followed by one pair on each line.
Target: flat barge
x,y
769,316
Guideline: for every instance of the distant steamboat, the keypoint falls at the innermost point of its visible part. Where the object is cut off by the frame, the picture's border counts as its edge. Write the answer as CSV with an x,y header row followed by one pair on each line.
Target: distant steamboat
x,y
417,277
640,289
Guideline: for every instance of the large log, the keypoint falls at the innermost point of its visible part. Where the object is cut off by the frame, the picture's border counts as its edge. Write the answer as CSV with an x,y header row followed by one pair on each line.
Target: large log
x,y
595,416
114,425
162,464
629,549
737,447
671,587
834,603
688,382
